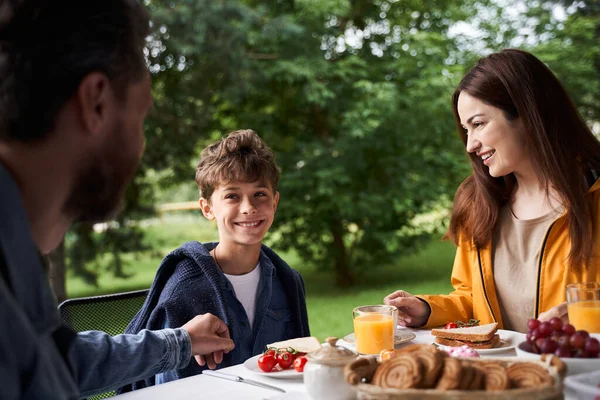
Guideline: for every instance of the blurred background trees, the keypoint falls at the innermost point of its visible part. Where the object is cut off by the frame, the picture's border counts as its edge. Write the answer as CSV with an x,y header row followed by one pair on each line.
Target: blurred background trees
x,y
354,98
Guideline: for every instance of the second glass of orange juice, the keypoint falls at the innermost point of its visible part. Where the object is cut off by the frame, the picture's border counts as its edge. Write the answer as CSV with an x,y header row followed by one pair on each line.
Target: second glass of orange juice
x,y
374,328
583,304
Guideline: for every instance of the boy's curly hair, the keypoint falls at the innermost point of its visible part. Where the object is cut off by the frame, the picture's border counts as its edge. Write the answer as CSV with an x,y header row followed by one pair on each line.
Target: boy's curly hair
x,y
241,156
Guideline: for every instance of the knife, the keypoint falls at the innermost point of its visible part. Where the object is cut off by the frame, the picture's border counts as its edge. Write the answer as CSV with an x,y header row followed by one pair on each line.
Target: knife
x,y
236,378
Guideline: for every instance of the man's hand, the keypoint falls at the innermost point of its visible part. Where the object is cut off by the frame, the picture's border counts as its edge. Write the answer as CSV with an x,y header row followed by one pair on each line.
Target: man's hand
x,y
559,311
411,310
210,339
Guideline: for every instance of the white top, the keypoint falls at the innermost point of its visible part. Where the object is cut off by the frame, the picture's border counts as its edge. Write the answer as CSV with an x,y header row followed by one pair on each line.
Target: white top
x,y
245,287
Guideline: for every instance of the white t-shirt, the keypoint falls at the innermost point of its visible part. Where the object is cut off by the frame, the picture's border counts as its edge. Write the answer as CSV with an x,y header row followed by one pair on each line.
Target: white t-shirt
x,y
245,287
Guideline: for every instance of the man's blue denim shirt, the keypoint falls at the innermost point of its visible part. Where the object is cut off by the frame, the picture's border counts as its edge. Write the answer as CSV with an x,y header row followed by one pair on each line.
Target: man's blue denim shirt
x,y
42,359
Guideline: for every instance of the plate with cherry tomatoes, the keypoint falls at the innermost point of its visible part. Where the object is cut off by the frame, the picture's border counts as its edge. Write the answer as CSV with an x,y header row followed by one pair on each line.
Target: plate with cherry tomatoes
x,y
277,364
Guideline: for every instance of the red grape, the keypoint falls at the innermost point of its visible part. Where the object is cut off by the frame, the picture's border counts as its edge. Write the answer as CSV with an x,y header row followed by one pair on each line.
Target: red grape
x,y
582,354
577,341
531,336
583,333
568,329
548,346
556,324
592,346
563,352
538,344
558,334
563,341
545,329
533,324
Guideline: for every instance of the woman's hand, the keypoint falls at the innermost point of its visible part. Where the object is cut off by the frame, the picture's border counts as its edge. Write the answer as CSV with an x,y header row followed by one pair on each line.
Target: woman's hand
x,y
412,311
559,311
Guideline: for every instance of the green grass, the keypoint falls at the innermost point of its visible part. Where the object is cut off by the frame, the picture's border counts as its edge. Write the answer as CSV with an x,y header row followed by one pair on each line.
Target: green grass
x,y
329,308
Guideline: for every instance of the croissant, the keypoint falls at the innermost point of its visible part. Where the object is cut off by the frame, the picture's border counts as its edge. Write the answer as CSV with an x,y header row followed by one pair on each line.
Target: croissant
x,y
400,372
433,362
451,375
495,376
526,375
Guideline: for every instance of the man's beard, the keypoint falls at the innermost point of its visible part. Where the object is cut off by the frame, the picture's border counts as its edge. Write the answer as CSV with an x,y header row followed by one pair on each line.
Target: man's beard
x,y
101,184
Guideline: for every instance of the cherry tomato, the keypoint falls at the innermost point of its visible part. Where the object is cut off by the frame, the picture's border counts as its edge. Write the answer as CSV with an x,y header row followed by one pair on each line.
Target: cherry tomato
x,y
285,359
266,362
451,325
271,352
299,363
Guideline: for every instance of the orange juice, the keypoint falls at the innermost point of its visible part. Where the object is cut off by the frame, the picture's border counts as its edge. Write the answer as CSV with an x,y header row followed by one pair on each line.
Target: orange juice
x,y
585,315
373,333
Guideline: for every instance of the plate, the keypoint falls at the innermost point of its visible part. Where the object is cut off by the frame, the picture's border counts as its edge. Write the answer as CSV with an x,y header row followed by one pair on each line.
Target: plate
x,y
252,365
401,336
508,340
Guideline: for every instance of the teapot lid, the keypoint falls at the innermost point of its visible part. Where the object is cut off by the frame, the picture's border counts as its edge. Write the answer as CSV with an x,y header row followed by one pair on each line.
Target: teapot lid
x,y
331,354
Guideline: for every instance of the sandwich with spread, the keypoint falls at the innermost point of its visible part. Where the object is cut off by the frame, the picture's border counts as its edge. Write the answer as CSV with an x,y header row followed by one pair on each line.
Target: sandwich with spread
x,y
476,337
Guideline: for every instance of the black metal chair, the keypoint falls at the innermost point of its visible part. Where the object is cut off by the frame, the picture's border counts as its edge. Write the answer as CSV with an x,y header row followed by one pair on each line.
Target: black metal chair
x,y
108,313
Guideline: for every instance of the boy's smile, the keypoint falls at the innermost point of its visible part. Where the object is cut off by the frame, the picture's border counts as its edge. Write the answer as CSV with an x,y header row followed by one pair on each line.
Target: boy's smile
x,y
243,211
250,224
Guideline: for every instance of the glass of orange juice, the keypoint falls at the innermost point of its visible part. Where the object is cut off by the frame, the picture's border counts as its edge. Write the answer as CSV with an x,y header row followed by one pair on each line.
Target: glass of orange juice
x,y
583,304
374,328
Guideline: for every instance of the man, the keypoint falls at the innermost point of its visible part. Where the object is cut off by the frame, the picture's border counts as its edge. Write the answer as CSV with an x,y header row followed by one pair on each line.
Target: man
x,y
74,91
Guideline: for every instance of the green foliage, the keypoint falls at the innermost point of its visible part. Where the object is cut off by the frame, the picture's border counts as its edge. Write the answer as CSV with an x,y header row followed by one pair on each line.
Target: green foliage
x,y
354,98
574,55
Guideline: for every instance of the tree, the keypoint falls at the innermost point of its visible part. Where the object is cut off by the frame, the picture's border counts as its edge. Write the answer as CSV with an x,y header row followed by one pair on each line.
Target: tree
x,y
573,53
352,95
565,34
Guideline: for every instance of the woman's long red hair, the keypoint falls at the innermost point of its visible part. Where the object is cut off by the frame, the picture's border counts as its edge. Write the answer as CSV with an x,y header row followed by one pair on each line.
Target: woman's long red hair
x,y
560,144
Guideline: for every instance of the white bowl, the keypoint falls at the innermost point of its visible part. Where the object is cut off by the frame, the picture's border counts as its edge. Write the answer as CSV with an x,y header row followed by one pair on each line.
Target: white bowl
x,y
574,365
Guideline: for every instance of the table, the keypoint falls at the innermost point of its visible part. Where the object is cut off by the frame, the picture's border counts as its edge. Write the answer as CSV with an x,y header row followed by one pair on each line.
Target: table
x,y
207,387
202,387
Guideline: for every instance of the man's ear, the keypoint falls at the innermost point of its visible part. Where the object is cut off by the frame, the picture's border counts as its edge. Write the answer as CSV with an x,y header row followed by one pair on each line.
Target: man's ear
x,y
206,208
94,97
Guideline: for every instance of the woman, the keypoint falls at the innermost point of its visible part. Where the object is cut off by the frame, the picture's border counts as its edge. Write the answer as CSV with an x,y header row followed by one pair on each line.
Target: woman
x,y
526,221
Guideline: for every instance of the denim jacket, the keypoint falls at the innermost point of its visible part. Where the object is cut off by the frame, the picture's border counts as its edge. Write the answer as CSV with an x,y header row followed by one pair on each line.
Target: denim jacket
x,y
42,359
189,282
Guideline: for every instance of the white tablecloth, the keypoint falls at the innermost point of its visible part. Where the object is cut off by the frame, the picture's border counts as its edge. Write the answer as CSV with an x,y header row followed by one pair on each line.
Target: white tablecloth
x,y
201,387
208,387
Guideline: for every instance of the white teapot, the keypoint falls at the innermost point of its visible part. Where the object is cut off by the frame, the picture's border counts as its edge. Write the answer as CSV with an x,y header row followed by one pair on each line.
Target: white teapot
x,y
324,372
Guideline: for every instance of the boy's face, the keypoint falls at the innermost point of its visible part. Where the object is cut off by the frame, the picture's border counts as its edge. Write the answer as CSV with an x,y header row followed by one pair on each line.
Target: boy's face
x,y
244,211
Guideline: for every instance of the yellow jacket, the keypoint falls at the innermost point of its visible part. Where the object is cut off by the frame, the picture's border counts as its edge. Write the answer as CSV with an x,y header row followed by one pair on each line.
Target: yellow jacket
x,y
474,294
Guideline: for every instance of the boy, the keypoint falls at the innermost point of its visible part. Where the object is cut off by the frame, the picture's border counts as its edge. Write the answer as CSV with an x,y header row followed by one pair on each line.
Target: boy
x,y
241,281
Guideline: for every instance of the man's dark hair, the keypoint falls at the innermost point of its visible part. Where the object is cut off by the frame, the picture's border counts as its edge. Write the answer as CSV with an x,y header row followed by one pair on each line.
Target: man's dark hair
x,y
47,47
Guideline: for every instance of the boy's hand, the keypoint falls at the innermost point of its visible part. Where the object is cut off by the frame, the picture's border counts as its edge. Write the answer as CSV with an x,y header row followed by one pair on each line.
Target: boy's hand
x,y
210,339
411,310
